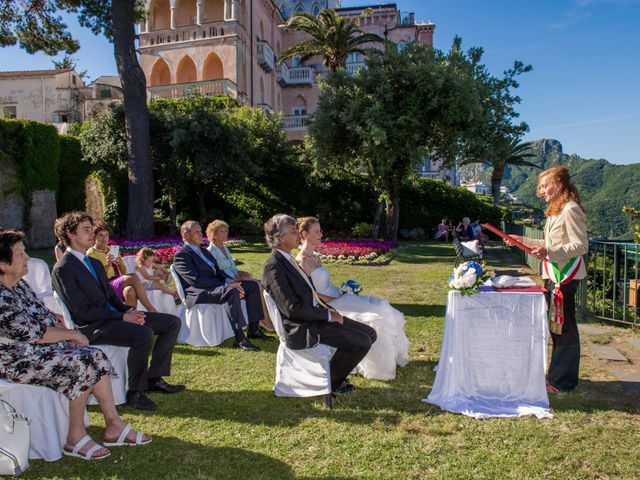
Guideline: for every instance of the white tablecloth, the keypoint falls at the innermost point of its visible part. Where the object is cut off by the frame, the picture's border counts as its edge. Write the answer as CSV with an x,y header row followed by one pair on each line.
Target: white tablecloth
x,y
493,356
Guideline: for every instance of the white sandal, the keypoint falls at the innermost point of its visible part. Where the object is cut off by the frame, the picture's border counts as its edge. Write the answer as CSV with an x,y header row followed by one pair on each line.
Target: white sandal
x,y
88,455
122,439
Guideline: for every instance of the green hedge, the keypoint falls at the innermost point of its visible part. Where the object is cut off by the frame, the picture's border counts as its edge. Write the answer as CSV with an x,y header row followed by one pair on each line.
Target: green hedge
x,y
34,148
73,172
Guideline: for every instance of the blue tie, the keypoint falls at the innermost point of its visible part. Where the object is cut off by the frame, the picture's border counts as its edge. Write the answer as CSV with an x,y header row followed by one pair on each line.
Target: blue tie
x,y
88,263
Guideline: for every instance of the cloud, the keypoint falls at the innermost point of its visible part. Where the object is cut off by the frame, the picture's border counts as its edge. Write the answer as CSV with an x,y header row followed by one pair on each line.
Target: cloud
x,y
595,121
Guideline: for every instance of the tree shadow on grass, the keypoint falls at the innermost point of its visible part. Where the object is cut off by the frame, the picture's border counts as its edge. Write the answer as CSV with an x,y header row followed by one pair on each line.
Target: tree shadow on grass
x,y
172,458
596,396
421,309
185,349
426,253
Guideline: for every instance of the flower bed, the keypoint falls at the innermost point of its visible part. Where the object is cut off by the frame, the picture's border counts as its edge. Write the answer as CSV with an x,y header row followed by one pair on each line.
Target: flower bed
x,y
358,252
164,247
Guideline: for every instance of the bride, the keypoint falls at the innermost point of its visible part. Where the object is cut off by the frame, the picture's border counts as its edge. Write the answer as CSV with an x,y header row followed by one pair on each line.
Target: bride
x,y
392,346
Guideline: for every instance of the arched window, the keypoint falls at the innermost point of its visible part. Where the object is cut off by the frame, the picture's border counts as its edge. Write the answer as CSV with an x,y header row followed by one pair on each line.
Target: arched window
x,y
213,69
284,13
262,37
401,45
160,12
315,10
186,72
185,13
299,106
213,11
299,8
160,74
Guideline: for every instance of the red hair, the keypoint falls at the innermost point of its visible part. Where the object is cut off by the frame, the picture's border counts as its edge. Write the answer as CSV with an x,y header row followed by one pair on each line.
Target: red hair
x,y
560,177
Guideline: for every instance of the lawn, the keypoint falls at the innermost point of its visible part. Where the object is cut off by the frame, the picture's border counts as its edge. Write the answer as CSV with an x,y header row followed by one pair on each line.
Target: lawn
x,y
228,425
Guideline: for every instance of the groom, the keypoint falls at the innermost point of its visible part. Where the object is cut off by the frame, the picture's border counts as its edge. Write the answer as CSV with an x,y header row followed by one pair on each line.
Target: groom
x,y
307,320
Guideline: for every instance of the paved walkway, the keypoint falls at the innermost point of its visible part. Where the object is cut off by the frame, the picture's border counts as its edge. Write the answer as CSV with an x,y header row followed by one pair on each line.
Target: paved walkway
x,y
615,350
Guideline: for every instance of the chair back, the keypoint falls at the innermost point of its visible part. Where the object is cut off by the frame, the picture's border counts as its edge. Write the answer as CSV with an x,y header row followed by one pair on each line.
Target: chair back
x,y
39,278
274,313
130,262
66,314
458,247
178,282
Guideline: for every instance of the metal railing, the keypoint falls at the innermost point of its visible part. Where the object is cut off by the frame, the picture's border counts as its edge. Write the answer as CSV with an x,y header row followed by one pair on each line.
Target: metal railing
x,y
223,86
611,291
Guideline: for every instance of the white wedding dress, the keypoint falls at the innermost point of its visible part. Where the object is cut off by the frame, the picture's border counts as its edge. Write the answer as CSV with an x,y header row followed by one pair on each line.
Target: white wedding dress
x,y
392,346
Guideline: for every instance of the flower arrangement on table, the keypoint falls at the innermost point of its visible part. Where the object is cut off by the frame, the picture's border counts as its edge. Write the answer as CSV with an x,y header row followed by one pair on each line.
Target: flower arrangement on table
x,y
468,277
164,247
357,252
350,287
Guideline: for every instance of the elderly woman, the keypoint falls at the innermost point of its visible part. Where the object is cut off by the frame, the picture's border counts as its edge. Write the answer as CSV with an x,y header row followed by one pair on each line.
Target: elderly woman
x,y
218,234
36,349
464,230
127,286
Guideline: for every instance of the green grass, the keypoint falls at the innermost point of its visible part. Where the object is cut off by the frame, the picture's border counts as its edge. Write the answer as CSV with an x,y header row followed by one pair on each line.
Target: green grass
x,y
228,425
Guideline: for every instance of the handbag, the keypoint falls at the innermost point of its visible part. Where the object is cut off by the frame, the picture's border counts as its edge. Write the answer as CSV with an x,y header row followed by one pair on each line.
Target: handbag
x,y
14,440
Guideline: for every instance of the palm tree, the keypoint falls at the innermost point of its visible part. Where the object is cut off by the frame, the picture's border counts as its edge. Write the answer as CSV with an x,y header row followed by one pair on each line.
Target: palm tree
x,y
506,151
333,37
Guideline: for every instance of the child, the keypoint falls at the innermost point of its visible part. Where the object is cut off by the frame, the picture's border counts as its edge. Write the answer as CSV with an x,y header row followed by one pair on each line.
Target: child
x,y
152,273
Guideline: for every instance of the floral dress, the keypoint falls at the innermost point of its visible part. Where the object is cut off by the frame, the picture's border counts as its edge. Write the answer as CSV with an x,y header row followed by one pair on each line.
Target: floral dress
x,y
60,366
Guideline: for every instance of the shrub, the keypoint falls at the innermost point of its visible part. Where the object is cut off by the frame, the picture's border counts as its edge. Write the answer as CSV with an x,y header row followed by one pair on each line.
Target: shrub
x,y
362,230
73,172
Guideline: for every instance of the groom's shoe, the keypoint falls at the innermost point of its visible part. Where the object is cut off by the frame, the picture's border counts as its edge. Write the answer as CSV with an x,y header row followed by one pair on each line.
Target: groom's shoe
x,y
260,335
346,387
159,385
245,344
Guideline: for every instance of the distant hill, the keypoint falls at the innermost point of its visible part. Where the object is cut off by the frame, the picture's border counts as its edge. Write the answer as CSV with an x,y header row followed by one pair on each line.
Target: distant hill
x,y
605,188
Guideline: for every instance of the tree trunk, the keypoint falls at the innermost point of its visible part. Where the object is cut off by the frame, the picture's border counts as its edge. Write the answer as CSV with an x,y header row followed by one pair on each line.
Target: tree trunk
x,y
496,181
173,221
393,209
141,195
375,231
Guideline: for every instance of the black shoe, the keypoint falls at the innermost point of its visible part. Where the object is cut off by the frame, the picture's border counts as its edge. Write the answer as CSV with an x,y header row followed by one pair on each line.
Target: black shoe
x,y
160,385
346,387
140,401
260,335
245,344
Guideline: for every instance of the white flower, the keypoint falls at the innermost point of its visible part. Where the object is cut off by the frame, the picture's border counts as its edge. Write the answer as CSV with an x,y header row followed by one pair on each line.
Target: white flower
x,y
472,270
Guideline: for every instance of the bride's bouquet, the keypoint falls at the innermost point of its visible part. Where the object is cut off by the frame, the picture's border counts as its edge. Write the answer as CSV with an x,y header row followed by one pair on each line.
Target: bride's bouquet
x,y
467,278
351,286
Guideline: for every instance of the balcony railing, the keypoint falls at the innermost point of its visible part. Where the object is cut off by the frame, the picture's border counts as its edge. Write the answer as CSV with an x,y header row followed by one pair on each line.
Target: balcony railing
x,y
296,123
295,75
223,86
353,68
187,33
266,108
266,56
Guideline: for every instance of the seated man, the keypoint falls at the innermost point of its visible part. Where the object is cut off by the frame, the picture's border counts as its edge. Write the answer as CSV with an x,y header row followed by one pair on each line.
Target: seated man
x,y
306,318
204,282
81,282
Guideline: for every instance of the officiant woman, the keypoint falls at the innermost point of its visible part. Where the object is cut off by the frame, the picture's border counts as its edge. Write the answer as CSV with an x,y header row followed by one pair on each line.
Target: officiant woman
x,y
565,242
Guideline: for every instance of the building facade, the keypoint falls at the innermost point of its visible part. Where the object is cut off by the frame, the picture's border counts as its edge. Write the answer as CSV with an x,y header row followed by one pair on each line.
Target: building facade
x,y
232,46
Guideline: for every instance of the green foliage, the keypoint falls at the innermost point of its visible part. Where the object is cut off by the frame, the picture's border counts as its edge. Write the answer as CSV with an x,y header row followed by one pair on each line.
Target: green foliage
x,y
73,171
34,148
362,230
427,201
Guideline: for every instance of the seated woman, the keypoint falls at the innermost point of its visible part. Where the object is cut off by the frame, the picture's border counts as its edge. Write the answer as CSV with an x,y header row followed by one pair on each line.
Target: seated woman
x,y
218,233
464,231
392,346
442,232
36,349
127,286
152,273
478,234
60,248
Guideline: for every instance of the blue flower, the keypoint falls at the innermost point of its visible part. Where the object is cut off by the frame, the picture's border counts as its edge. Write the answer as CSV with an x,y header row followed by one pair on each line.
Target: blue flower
x,y
477,267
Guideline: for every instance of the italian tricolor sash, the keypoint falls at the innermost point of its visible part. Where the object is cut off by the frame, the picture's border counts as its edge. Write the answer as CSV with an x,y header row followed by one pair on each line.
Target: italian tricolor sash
x,y
559,277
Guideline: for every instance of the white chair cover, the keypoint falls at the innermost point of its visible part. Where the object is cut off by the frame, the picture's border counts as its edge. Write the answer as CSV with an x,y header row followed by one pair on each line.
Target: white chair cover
x,y
299,373
116,355
205,324
48,412
163,302
39,279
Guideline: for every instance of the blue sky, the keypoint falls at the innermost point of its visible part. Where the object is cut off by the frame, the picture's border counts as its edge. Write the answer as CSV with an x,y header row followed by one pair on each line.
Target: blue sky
x,y
585,87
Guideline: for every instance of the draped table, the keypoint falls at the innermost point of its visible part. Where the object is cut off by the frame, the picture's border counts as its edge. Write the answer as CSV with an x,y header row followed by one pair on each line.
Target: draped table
x,y
493,355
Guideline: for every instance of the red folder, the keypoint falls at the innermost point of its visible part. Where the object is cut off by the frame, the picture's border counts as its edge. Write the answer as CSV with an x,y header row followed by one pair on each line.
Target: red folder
x,y
508,238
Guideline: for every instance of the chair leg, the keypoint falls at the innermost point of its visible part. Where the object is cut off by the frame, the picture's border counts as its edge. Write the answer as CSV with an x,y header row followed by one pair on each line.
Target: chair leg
x,y
328,401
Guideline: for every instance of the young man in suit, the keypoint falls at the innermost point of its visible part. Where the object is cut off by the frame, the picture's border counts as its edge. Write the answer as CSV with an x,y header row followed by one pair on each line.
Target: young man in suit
x,y
307,319
204,282
81,282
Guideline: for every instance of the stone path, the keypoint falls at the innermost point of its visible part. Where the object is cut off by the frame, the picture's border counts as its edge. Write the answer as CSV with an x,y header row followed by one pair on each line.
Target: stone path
x,y
616,350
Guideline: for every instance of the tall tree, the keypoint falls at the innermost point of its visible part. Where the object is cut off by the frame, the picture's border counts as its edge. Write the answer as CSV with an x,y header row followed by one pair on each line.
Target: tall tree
x,y
36,26
333,37
404,105
507,152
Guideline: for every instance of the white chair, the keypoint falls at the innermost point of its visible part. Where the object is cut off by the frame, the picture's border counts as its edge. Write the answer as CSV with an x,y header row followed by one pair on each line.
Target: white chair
x,y
163,302
299,373
203,324
116,355
48,414
39,279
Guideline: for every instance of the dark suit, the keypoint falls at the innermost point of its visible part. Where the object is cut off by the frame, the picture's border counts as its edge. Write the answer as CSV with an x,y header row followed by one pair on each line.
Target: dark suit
x,y
203,283
89,303
307,325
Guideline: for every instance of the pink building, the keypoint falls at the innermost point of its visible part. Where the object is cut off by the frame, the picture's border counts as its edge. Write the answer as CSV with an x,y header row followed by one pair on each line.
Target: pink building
x,y
231,47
